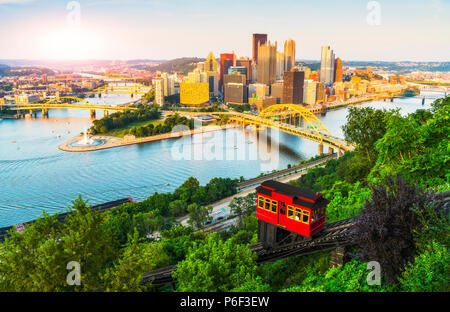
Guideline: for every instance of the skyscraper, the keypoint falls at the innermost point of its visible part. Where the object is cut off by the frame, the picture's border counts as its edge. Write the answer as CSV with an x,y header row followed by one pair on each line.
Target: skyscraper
x,y
226,60
293,87
247,63
211,63
159,90
289,54
258,39
338,70
310,92
267,63
280,66
327,66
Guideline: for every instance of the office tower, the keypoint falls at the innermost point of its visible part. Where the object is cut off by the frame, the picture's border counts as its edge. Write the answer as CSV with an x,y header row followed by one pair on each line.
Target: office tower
x,y
211,63
258,39
338,70
194,93
44,78
258,90
289,54
293,87
197,76
235,77
320,92
247,63
280,66
238,69
235,93
310,92
254,72
327,66
158,84
267,62
213,80
276,91
226,60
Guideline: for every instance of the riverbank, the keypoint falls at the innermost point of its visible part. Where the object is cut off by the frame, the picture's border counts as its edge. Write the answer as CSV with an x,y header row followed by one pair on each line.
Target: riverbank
x,y
111,142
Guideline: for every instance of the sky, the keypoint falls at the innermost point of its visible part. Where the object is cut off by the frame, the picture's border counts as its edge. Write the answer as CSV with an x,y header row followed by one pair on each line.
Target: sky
x,y
385,30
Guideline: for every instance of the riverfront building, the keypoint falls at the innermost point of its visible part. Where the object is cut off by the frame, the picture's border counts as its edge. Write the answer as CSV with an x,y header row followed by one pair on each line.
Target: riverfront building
x,y
293,87
158,84
194,94
267,58
226,61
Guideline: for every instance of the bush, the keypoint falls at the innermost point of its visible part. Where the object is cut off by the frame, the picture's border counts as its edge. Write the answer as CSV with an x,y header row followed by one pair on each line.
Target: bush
x,y
385,229
429,272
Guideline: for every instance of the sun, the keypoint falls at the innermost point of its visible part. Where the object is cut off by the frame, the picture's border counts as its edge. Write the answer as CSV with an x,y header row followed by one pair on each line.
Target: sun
x,y
70,43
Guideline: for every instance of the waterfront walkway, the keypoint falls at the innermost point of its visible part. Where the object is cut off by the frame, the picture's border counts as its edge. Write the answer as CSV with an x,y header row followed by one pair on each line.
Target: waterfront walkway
x,y
111,142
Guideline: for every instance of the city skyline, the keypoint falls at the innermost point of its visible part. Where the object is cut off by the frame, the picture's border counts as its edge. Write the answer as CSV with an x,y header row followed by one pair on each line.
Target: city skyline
x,y
39,29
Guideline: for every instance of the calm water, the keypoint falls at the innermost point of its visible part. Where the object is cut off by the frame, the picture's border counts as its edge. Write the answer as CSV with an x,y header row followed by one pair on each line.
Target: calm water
x,y
36,175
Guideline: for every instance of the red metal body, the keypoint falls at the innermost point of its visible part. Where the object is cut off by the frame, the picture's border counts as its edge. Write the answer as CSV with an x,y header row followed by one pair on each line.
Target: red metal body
x,y
291,208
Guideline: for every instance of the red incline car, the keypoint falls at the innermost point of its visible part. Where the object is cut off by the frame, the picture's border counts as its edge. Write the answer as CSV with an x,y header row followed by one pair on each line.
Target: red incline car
x,y
291,208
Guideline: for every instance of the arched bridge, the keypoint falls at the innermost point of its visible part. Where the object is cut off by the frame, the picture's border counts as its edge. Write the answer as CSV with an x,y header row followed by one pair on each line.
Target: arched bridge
x,y
64,102
292,119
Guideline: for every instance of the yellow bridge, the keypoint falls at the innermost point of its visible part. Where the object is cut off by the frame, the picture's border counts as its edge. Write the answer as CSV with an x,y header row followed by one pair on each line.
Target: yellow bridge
x,y
134,89
292,119
64,102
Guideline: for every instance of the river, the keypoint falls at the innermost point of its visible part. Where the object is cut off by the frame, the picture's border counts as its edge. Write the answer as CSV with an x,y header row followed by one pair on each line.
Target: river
x,y
35,175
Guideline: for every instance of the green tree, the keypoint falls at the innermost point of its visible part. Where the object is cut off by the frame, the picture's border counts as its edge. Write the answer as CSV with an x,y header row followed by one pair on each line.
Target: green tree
x,y
137,258
243,207
199,215
364,127
216,266
36,259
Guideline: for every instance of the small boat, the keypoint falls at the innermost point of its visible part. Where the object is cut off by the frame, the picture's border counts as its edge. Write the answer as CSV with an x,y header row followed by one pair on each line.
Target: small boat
x,y
235,147
167,184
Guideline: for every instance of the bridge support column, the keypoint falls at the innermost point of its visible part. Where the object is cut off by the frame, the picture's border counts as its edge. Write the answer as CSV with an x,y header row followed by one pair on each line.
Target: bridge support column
x,y
93,113
340,152
320,149
337,257
106,113
330,151
45,113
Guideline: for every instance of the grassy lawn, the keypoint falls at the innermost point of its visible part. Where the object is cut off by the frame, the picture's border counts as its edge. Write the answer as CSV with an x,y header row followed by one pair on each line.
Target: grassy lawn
x,y
124,131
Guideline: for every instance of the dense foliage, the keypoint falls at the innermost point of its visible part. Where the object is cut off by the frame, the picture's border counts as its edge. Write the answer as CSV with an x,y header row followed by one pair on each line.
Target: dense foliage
x,y
122,119
216,265
167,126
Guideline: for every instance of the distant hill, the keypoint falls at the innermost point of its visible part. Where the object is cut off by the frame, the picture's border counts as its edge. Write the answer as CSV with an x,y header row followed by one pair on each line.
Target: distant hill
x,y
3,69
180,65
24,71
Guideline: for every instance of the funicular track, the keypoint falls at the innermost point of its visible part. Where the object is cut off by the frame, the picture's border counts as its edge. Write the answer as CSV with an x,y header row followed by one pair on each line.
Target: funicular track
x,y
332,236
